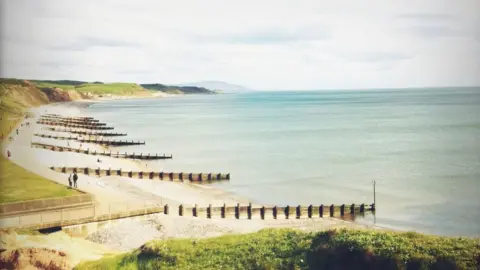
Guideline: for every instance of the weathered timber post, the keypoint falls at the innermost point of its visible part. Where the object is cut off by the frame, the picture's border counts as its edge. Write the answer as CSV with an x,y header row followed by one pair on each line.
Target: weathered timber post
x,y
309,211
262,213
249,211
320,211
109,171
372,207
97,171
119,172
64,169
150,176
209,177
219,176
140,175
298,212
75,169
180,210
352,209
287,211
190,177
223,210
362,208
228,176
130,173
165,209
170,175
200,177
195,210
85,171
160,175
209,211
274,212
237,211
332,210
95,153
342,210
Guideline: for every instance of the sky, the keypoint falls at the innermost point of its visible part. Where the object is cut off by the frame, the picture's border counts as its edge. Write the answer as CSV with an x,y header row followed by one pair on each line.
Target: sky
x,y
265,45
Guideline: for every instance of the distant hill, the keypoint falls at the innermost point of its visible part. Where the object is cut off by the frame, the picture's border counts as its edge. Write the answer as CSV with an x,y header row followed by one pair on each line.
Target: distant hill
x,y
220,86
173,89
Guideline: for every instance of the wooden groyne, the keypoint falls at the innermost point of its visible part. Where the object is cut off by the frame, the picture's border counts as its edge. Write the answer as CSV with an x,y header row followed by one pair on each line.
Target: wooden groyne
x,y
57,137
111,142
272,212
117,154
75,122
88,133
83,119
86,126
164,176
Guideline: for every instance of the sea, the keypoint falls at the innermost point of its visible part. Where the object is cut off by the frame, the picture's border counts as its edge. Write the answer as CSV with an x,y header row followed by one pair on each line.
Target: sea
x,y
421,147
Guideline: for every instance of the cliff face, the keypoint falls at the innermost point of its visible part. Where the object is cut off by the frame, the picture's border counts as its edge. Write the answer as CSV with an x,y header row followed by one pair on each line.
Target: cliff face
x,y
59,95
22,92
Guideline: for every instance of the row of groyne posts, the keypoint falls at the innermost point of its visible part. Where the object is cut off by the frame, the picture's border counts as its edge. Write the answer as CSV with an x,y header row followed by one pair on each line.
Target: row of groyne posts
x,y
297,212
84,126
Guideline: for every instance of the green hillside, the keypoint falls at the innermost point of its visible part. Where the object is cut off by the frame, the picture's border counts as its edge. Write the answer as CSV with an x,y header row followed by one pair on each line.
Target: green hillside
x,y
290,249
172,89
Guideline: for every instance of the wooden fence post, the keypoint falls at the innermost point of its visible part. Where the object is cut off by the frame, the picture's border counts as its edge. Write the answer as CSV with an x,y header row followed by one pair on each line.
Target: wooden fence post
x,y
140,175
209,211
332,210
97,171
160,175
274,212
130,174
200,177
237,211
287,212
320,211
362,208
180,175
85,171
219,176
342,210
119,172
262,212
180,210
109,172
298,212
165,209
249,211
170,176
195,213
209,177
190,177
150,176
352,209
309,211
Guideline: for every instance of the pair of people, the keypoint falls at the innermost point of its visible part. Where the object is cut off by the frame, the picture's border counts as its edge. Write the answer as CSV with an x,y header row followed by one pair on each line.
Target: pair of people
x,y
74,178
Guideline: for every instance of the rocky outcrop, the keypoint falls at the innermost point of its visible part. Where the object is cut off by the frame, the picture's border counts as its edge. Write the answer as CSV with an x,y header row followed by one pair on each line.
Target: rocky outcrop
x,y
33,258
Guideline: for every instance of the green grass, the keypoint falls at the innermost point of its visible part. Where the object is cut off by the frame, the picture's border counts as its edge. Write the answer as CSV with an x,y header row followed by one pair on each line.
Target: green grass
x,y
111,88
289,249
18,184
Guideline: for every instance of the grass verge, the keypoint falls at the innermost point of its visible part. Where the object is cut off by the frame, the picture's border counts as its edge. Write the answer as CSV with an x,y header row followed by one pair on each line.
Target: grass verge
x,y
290,249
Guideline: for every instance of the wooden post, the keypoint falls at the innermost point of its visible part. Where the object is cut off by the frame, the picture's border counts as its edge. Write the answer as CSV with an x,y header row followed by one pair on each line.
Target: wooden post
x,y
200,177
130,174
160,175
119,172
170,176
309,211
352,209
262,212
209,211
237,211
180,210
165,209
342,210
97,171
332,210
190,177
298,212
287,212
64,169
228,176
85,171
223,210
109,172
150,176
219,176
362,208
320,211
249,211
274,210
140,175
209,177
195,211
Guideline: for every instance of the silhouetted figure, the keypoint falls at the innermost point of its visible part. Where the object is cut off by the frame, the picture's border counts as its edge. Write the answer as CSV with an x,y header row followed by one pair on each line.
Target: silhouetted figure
x,y
99,161
9,154
70,180
75,178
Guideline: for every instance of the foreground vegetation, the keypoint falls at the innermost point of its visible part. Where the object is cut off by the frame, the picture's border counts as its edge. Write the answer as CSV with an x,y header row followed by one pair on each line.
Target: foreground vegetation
x,y
16,183
290,249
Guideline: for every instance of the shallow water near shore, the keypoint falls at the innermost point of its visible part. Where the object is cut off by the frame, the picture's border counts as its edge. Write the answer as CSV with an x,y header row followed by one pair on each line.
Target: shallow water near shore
x,y
421,146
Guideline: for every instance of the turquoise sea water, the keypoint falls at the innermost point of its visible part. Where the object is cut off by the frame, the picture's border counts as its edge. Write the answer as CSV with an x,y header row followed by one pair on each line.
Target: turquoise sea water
x,y
421,146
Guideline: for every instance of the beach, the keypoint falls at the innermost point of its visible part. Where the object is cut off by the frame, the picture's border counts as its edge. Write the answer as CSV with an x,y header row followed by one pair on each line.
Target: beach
x,y
113,193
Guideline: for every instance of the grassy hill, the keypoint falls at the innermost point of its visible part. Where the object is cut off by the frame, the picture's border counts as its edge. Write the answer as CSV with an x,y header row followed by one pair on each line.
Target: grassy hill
x,y
16,183
171,89
96,88
290,249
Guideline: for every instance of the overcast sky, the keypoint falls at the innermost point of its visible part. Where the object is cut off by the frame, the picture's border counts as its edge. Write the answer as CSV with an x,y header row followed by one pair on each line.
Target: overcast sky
x,y
273,44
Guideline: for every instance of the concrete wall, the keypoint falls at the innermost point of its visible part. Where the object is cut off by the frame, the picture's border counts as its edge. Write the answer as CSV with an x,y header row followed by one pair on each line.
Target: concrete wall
x,y
43,204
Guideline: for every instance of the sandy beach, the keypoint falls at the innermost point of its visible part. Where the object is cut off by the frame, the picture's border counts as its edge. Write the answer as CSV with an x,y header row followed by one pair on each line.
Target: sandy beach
x,y
120,193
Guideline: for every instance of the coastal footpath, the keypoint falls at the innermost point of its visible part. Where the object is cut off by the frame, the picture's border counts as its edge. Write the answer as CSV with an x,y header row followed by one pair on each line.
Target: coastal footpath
x,y
290,249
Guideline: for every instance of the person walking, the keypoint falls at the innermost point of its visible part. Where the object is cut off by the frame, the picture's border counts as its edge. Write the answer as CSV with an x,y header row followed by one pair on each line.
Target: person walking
x,y
70,180
9,154
75,178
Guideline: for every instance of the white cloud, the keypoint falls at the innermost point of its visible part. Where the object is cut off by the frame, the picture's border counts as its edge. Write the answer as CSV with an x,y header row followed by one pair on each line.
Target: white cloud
x,y
262,44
